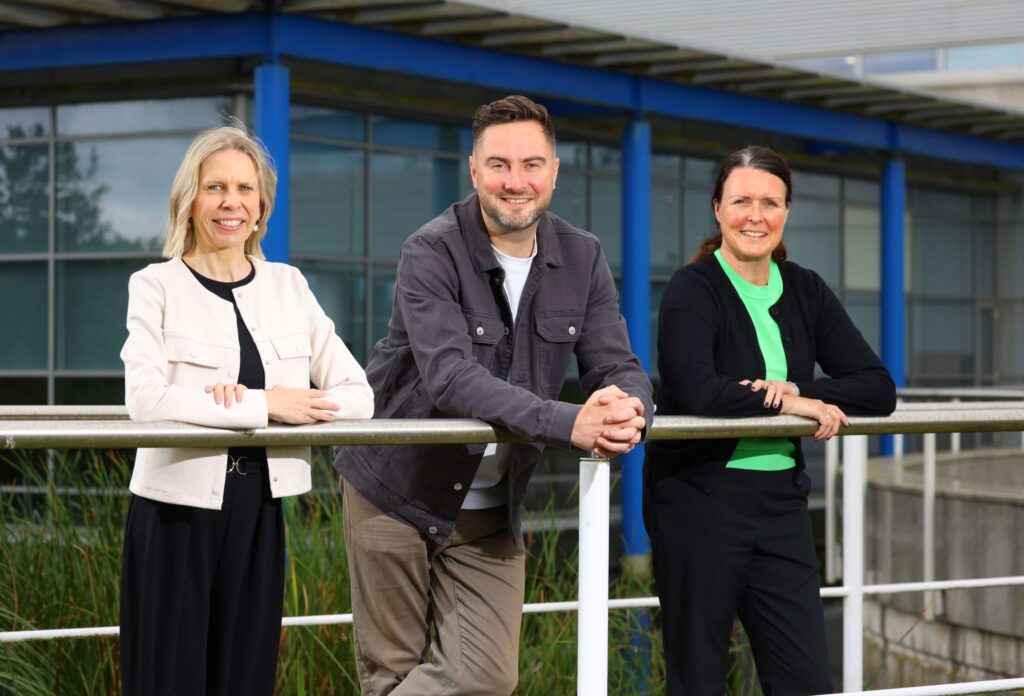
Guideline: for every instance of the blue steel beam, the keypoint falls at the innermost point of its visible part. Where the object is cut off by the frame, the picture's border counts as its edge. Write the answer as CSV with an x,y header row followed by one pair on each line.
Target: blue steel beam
x,y
636,307
893,300
271,97
342,44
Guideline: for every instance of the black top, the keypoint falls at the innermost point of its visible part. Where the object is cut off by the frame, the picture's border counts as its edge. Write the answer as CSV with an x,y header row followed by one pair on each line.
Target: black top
x,y
250,367
707,344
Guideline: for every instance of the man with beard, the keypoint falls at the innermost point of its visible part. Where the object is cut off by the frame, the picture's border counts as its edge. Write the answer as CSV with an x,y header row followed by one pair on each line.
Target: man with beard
x,y
492,299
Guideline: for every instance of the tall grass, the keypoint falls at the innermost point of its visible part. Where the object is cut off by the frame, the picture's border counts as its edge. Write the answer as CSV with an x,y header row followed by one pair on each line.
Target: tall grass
x,y
60,564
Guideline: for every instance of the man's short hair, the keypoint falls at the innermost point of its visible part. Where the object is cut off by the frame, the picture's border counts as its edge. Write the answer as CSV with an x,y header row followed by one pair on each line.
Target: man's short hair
x,y
512,109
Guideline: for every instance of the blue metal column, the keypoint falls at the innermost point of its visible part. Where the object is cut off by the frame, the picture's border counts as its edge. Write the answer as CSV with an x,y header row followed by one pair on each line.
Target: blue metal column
x,y
636,308
893,297
270,121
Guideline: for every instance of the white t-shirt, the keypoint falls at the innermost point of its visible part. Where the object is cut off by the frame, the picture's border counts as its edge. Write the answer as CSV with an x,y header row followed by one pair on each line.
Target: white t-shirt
x,y
488,488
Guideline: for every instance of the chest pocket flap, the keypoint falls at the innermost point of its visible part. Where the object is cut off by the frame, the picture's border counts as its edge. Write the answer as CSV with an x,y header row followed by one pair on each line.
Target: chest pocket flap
x,y
188,350
484,328
559,327
292,346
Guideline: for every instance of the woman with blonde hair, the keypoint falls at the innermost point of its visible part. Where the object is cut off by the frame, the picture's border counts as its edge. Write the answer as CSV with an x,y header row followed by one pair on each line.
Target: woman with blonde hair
x,y
217,336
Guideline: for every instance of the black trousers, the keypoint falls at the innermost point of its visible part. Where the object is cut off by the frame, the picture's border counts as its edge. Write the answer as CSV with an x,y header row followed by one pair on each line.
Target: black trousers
x,y
744,548
202,593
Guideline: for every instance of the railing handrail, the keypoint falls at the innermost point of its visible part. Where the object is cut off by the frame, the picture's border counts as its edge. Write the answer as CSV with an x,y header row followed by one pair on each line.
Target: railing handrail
x,y
21,433
1008,392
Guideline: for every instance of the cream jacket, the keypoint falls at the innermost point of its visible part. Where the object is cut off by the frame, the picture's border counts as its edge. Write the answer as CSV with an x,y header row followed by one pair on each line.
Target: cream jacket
x,y
182,337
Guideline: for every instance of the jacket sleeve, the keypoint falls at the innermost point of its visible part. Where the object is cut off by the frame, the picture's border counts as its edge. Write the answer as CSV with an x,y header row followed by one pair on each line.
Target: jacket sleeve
x,y
603,349
856,380
689,325
149,395
332,368
427,295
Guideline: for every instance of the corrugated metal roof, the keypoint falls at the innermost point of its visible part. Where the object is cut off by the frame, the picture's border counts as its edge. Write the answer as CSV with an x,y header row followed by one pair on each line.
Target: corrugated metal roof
x,y
490,24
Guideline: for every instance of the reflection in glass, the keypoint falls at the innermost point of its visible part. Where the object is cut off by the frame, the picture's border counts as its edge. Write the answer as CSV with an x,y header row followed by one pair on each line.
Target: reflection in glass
x,y
112,195
862,245
698,219
23,313
341,291
92,302
571,155
421,135
31,122
324,122
812,237
606,218
24,198
407,191
142,116
86,391
327,199
985,258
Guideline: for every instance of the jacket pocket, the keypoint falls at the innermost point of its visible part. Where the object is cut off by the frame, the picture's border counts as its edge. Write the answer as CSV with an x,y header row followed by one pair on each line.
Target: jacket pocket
x,y
292,346
484,331
559,331
187,350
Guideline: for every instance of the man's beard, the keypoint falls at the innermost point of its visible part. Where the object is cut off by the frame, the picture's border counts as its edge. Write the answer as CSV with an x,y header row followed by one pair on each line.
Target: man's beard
x,y
513,222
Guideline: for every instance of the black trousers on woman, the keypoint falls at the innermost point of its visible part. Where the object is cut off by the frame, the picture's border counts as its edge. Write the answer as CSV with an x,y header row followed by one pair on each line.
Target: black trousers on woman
x,y
202,593
743,548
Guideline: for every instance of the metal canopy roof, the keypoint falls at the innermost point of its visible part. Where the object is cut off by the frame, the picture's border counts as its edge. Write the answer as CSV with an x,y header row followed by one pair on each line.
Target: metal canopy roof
x,y
483,27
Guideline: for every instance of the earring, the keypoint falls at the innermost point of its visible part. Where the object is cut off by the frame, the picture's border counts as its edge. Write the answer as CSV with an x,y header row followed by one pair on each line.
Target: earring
x,y
255,228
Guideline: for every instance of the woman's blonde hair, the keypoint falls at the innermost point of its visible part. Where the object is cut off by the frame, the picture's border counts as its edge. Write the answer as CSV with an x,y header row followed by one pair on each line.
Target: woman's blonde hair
x,y
181,236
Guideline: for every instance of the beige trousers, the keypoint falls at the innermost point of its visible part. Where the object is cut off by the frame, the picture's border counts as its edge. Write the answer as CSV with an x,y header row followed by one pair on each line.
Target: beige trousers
x,y
429,618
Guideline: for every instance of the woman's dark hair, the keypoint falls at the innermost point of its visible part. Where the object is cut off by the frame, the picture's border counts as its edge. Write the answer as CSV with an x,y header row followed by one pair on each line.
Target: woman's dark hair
x,y
512,109
758,157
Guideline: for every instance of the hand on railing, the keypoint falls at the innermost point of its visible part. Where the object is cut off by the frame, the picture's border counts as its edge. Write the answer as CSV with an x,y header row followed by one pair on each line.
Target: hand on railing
x,y
829,416
226,393
773,390
299,406
610,423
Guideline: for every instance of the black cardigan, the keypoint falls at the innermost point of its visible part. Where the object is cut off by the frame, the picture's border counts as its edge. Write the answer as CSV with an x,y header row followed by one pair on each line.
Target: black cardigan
x,y
707,344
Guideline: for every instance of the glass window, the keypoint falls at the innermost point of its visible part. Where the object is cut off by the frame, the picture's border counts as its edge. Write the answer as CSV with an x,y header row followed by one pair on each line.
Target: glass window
x,y
1007,55
838,65
698,219
24,312
32,122
901,61
866,313
569,200
24,198
92,301
666,221
816,185
862,246
328,187
812,237
666,166
571,155
985,259
322,122
407,191
943,337
606,159
86,391
942,257
112,195
606,218
142,116
341,291
383,299
421,135
22,391
925,200
858,191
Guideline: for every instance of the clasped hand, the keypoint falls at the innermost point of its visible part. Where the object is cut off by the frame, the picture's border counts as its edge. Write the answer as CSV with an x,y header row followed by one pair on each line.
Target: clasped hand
x,y
284,404
610,423
829,416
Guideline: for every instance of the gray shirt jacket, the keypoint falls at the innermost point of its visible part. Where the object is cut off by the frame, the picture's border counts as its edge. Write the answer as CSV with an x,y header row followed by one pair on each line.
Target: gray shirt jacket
x,y
451,343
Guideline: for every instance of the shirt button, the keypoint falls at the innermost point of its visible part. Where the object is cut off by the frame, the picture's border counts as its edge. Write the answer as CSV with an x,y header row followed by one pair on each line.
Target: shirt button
x,y
497,280
432,530
572,330
479,331
457,486
275,479
506,331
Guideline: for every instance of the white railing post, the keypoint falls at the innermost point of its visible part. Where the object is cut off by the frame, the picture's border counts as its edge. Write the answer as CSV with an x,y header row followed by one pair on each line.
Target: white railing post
x,y
897,441
831,472
855,462
954,438
931,599
592,639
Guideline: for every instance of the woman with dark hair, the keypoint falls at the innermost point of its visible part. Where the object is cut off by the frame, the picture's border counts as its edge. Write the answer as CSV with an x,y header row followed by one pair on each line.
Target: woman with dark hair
x,y
740,330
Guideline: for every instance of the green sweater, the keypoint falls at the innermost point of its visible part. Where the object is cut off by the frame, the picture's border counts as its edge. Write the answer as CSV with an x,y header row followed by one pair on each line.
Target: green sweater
x,y
762,454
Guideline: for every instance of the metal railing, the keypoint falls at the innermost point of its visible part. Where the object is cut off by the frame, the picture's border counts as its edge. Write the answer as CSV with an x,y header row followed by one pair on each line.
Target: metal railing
x,y
35,428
